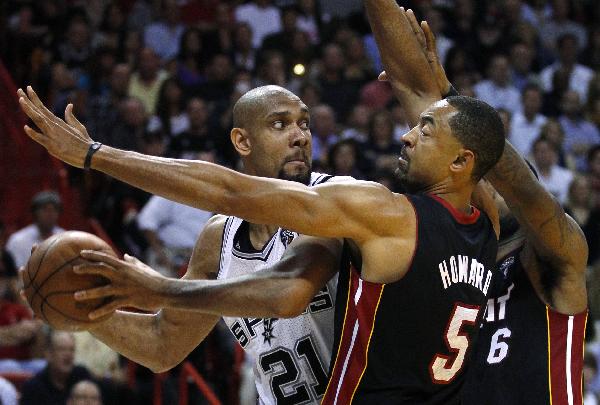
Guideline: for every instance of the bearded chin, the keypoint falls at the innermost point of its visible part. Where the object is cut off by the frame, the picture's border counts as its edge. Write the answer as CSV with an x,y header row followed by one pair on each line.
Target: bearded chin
x,y
303,178
408,184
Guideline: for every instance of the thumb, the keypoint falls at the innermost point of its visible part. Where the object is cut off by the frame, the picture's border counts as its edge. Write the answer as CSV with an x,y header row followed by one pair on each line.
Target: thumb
x,y
131,259
72,120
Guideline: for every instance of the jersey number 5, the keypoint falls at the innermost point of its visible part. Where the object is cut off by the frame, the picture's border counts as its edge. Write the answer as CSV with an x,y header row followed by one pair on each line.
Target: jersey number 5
x,y
443,368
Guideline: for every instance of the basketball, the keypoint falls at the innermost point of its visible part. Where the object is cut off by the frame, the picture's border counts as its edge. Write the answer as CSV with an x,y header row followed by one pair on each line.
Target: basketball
x,y
49,281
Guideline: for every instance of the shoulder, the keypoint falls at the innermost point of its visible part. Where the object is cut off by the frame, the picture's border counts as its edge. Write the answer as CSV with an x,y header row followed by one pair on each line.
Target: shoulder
x,y
206,256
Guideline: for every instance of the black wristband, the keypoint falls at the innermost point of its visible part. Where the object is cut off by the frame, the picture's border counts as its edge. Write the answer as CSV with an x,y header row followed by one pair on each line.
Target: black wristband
x,y
451,92
88,158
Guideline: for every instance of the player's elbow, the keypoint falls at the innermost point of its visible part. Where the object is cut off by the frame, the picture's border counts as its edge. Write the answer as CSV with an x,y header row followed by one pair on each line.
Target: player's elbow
x,y
292,301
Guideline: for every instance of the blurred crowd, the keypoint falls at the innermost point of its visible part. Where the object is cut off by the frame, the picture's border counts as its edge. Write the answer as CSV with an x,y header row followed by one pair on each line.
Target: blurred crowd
x,y
161,77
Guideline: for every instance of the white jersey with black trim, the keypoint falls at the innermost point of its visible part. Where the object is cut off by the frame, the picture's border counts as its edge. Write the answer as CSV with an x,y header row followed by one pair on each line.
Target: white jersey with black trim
x,y
291,356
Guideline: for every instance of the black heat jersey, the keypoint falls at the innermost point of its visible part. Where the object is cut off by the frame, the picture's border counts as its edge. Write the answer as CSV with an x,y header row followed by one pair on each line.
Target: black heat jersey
x,y
526,353
408,342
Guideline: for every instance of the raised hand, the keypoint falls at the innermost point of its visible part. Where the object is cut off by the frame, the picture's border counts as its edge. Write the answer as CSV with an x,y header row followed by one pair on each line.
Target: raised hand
x,y
66,140
426,39
131,283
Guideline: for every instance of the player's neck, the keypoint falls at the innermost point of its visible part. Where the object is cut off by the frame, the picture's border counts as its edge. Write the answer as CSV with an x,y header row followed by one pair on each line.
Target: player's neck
x,y
260,234
457,197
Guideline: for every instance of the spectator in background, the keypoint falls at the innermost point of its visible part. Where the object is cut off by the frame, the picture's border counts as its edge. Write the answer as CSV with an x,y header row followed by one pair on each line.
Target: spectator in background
x,y
189,69
198,137
52,385
582,207
593,166
19,333
337,92
112,30
552,131
526,124
591,56
593,102
358,66
521,61
147,80
358,124
381,149
559,25
590,372
271,70
103,110
219,84
45,208
506,118
324,131
435,19
171,230
282,40
310,19
263,18
498,91
164,37
75,49
244,54
399,118
579,76
85,392
553,177
580,134
344,159
171,118
131,125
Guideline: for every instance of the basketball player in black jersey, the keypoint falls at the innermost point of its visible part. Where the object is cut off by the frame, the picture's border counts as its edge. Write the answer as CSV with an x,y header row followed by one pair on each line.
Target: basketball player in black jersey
x,y
530,349
423,263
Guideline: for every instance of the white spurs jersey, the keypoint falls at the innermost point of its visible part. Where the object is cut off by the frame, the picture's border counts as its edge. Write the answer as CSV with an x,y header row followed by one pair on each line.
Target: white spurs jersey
x,y
290,356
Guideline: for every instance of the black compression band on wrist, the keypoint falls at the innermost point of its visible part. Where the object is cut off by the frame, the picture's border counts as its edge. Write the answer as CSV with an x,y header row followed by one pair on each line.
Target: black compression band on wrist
x,y
451,92
88,157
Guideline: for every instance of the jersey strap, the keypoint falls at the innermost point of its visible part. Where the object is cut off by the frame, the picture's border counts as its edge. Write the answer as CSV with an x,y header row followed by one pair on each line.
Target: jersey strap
x,y
566,335
351,360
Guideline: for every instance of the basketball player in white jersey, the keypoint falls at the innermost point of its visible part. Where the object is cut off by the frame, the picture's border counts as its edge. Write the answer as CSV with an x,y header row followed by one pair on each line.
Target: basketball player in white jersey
x,y
291,356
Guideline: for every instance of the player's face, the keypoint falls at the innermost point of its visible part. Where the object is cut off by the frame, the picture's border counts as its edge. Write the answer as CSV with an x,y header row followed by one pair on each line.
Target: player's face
x,y
282,145
429,149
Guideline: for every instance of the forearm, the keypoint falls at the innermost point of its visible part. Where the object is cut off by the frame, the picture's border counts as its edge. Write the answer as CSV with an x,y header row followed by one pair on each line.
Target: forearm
x,y
402,56
514,180
265,295
148,339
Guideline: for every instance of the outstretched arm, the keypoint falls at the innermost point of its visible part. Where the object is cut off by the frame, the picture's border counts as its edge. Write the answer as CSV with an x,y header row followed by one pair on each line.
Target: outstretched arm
x,y
554,236
404,61
166,335
357,210
283,290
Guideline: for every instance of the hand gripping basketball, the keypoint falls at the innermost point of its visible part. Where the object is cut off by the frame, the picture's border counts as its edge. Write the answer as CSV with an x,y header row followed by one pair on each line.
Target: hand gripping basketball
x,y
131,284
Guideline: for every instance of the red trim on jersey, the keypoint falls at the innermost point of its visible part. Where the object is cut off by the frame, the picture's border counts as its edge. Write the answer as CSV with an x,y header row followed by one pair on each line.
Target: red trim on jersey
x,y
566,334
412,259
351,360
460,217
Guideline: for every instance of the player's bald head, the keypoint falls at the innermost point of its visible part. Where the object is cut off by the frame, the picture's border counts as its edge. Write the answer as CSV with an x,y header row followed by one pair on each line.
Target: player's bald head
x,y
257,103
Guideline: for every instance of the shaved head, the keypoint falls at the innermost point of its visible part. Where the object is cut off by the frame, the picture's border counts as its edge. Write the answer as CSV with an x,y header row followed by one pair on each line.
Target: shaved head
x,y
257,103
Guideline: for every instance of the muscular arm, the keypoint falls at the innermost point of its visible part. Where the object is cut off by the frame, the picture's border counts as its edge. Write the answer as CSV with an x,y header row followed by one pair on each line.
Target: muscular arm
x,y
555,237
161,341
282,290
357,210
401,54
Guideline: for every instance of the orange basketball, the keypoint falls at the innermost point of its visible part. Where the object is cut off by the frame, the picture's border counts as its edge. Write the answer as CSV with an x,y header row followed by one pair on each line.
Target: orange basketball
x,y
49,280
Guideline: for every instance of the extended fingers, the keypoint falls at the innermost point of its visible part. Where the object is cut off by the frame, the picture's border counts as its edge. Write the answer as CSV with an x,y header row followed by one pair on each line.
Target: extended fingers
x,y
97,256
72,120
98,292
414,24
35,135
97,269
107,309
38,103
429,38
